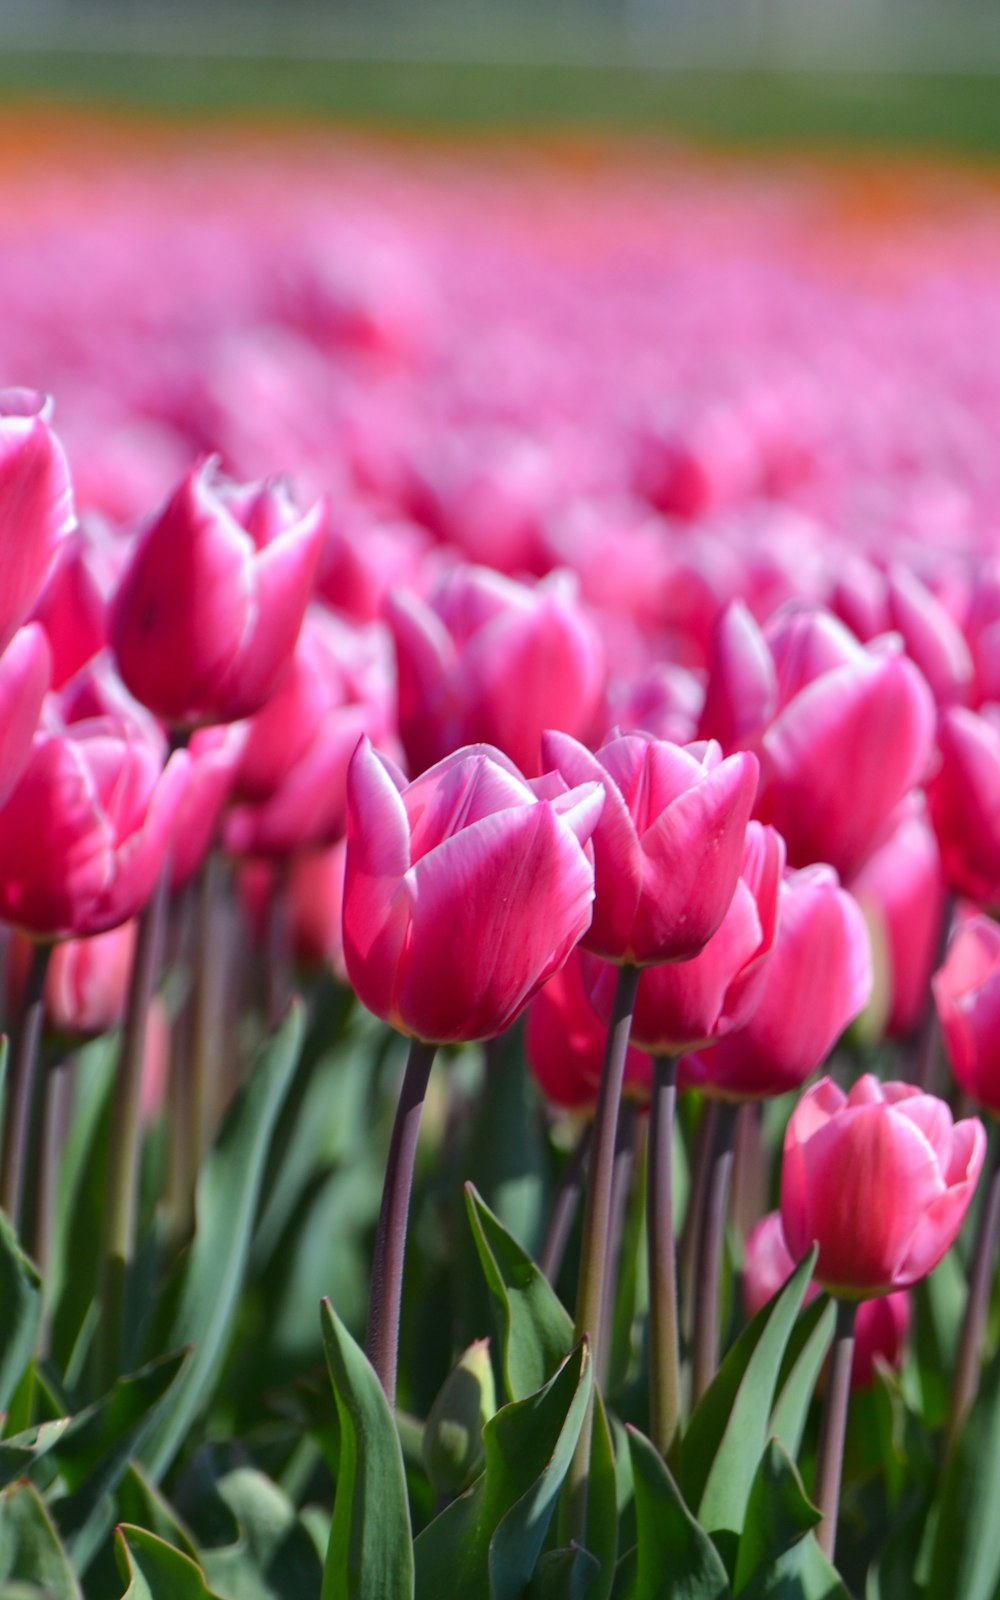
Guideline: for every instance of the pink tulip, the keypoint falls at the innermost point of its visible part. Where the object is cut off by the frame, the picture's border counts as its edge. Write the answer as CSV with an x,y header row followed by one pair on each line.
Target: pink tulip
x,y
967,996
84,835
844,731
880,1179
872,603
816,980
87,982
71,609
669,845
901,890
493,661
206,615
291,786
214,759
882,1324
685,1005
463,890
964,801
564,1042
36,503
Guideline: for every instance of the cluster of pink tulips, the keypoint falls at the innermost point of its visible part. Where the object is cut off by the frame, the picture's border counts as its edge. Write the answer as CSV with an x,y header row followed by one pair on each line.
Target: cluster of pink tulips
x,y
624,657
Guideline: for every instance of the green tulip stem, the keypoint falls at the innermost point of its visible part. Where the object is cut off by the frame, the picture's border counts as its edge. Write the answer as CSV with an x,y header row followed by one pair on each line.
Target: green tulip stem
x,y
596,1225
125,1136
386,1294
833,1426
711,1246
564,1207
694,1212
21,1089
621,1184
664,1340
970,1345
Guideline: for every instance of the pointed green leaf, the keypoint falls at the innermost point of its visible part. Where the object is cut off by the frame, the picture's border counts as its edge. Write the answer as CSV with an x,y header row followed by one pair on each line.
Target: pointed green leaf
x,y
965,1559
727,1434
370,1551
778,1515
76,1241
803,1363
672,1548
30,1551
536,1330
154,1570
226,1204
802,1573
488,1542
602,1504
20,1453
273,1557
20,1311
565,1574
141,1502
891,1574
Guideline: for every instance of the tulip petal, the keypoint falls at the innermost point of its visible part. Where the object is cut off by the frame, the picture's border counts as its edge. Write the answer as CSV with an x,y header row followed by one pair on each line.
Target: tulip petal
x,y
283,574
24,679
376,903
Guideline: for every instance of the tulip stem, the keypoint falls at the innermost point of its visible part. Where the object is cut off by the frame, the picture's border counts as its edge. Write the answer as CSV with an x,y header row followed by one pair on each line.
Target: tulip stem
x,y
970,1346
385,1297
21,1086
564,1208
833,1425
694,1215
125,1136
596,1224
711,1246
621,1183
664,1342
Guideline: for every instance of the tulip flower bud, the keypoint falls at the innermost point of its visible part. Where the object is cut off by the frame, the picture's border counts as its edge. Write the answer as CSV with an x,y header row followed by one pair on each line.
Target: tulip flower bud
x,y
967,995
880,1179
209,606
453,1433
564,1041
36,503
901,890
964,802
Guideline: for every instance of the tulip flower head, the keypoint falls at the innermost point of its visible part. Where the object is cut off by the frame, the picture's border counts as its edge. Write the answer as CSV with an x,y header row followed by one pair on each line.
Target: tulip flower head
x,y
963,797
564,1041
967,996
880,1179
463,890
36,503
669,845
209,606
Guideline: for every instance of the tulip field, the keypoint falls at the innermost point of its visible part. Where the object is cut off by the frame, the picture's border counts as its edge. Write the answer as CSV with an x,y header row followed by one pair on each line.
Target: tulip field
x,y
499,857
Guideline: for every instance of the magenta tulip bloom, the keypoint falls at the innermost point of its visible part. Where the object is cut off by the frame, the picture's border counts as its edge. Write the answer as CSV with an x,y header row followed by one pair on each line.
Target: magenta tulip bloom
x,y
564,1041
880,1179
493,661
882,1324
84,835
209,606
669,845
843,730
816,980
215,756
86,985
685,1005
901,890
967,996
36,503
964,801
24,679
463,890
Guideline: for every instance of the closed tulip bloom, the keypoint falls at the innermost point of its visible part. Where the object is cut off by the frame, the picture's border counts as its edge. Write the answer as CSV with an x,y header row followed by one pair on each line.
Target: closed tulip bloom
x,y
84,835
464,890
209,606
964,801
880,1179
493,661
816,980
36,503
24,679
685,1005
669,845
901,890
87,982
742,691
882,1324
71,609
967,996
872,602
564,1042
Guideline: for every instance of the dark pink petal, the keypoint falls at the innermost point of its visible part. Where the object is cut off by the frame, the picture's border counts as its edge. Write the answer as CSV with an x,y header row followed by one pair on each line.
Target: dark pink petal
x,y
24,679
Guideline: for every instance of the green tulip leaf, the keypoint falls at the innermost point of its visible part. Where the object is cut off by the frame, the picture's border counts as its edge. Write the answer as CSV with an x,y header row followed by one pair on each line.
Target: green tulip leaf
x,y
536,1330
155,1570
778,1515
370,1554
727,1434
228,1191
272,1556
30,1551
965,1557
488,1542
802,1573
19,1454
674,1555
803,1363
78,1219
564,1574
20,1311
140,1501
